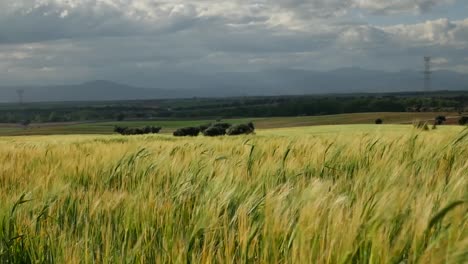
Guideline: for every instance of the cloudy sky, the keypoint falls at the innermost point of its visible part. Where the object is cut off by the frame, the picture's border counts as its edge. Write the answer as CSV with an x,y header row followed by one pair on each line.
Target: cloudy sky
x,y
69,41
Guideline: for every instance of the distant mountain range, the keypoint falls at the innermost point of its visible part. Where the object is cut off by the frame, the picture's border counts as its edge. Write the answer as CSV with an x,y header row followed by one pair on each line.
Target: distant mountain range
x,y
273,82
89,91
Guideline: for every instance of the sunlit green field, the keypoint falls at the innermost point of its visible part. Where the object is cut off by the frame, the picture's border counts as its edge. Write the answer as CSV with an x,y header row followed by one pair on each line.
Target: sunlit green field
x,y
325,194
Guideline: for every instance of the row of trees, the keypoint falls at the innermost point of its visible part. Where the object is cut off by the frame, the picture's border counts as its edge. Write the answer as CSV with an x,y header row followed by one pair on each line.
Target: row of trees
x,y
137,131
230,107
217,129
209,130
439,120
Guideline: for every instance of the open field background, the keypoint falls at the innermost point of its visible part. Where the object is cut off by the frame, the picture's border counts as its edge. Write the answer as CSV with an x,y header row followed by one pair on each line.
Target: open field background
x,y
326,194
261,123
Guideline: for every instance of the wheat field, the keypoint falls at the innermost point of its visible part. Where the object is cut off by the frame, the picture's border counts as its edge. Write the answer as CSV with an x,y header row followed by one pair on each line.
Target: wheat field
x,y
342,194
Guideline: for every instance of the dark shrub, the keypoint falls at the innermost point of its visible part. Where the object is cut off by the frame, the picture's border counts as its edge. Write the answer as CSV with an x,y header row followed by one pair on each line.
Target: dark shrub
x,y
155,130
440,120
463,120
222,125
378,121
151,130
120,130
214,131
147,130
128,131
241,129
187,131
204,127
137,131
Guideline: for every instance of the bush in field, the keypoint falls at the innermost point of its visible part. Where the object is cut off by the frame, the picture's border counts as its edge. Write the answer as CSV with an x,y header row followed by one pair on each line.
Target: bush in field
x,y
155,130
137,131
440,120
378,121
204,127
463,120
242,129
222,125
187,131
151,130
120,130
214,131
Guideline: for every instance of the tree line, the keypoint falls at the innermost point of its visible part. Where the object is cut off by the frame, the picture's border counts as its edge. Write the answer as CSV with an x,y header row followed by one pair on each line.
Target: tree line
x,y
234,107
209,130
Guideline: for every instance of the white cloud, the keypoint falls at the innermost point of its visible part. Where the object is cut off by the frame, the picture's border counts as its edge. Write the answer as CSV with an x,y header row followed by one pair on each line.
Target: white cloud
x,y
442,32
105,38
399,6
462,68
15,55
439,61
64,14
37,20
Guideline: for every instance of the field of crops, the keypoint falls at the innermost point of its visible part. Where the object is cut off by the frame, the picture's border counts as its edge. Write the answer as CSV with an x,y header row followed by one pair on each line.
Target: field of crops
x,y
168,126
327,194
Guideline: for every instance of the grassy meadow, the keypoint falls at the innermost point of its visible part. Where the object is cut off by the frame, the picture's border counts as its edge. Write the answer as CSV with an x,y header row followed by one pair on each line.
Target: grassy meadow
x,y
326,194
